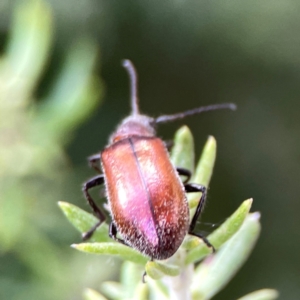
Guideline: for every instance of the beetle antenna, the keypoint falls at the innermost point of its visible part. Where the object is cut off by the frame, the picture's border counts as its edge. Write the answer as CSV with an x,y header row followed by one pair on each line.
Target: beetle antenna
x,y
198,110
128,65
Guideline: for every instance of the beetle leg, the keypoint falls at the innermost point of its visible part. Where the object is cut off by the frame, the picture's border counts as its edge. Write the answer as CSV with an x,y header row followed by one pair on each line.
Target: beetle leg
x,y
143,277
88,234
113,234
184,172
94,161
193,188
190,188
204,239
98,180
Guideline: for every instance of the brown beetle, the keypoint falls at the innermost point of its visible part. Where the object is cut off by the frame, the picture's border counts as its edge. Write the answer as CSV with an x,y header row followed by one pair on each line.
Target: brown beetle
x,y
146,196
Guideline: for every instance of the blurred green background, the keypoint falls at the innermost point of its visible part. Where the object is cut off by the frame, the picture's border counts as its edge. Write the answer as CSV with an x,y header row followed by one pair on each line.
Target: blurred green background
x,y
187,53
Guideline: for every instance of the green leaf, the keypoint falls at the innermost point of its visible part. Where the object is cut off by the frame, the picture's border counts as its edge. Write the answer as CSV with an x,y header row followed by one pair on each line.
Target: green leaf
x,y
65,107
231,225
90,294
182,153
84,221
141,292
198,253
131,279
219,236
112,289
131,286
204,169
12,213
157,270
29,44
264,294
217,270
113,249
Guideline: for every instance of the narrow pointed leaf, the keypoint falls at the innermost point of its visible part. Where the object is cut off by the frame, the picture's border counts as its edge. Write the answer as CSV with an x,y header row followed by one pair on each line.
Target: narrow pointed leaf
x,y
141,292
231,225
131,275
217,270
264,294
84,221
204,169
191,242
182,154
132,282
198,254
112,249
157,270
114,290
220,235
29,44
65,108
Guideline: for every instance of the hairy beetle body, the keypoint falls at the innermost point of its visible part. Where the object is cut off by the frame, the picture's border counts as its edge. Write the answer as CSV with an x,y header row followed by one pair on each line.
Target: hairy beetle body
x,y
146,196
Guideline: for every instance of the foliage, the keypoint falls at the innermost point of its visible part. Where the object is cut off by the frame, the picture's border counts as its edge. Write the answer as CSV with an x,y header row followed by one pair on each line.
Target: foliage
x,y
33,165
178,277
34,130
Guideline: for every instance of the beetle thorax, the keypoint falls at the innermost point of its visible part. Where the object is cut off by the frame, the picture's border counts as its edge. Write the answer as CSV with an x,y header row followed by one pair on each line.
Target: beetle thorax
x,y
138,125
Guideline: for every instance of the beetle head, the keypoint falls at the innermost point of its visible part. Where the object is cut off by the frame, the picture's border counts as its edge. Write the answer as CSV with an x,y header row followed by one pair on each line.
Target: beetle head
x,y
139,125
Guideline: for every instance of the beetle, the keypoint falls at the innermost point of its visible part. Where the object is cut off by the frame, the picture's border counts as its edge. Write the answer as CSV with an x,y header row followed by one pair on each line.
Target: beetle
x,y
146,196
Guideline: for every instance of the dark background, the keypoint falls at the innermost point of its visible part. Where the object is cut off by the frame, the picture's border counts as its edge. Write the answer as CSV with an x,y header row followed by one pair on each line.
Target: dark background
x,y
193,53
